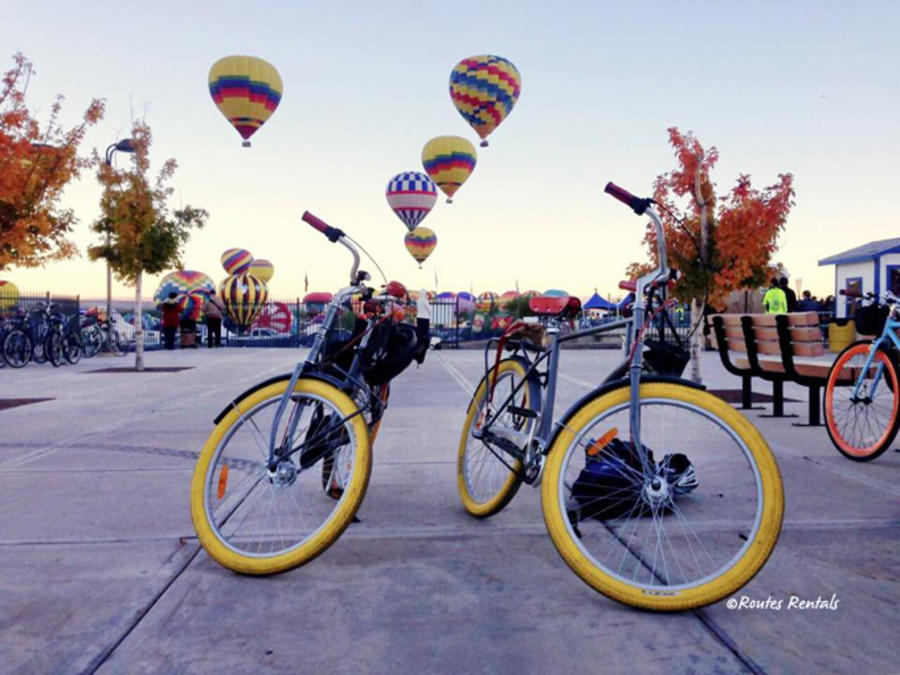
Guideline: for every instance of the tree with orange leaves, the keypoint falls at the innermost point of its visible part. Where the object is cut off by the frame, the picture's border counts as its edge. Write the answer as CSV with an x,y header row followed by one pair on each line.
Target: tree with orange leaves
x,y
719,244
36,164
140,233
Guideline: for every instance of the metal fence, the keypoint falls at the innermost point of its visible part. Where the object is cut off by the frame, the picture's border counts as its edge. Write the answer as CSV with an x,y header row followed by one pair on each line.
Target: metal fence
x,y
293,323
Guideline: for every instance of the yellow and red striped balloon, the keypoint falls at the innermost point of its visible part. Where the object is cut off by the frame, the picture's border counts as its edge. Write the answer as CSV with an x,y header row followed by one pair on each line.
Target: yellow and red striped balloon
x,y
484,90
246,89
420,243
449,160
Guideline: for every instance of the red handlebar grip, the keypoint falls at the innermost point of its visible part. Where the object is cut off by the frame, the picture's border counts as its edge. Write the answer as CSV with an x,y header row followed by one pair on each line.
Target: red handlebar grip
x,y
621,194
315,222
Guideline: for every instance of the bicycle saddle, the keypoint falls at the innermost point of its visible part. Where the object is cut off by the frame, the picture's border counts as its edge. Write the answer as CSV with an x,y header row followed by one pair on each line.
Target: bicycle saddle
x,y
551,305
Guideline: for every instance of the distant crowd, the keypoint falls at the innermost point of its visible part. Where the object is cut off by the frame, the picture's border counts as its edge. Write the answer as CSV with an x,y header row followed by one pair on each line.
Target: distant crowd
x,y
781,299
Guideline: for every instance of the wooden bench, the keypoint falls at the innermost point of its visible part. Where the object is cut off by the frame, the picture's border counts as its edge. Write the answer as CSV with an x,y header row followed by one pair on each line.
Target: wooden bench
x,y
776,348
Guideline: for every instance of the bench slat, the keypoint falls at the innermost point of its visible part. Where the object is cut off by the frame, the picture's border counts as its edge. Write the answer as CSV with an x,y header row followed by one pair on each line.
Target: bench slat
x,y
731,319
734,332
737,345
803,319
768,347
808,348
762,320
766,333
806,334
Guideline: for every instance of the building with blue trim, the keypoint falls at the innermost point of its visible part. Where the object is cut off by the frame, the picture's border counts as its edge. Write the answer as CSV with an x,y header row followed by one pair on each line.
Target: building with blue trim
x,y
872,267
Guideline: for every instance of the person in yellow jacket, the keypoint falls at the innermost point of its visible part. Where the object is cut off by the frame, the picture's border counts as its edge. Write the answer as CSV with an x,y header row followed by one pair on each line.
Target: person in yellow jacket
x,y
775,300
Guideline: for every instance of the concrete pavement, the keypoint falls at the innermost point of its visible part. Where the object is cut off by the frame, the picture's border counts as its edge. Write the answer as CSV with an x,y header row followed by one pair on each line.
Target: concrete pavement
x,y
100,569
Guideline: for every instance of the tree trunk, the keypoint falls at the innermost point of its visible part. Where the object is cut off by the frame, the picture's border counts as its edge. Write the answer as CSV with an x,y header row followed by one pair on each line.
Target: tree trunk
x,y
696,348
138,324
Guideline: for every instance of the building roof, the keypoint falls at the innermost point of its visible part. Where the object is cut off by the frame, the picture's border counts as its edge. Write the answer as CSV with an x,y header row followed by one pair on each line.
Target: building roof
x,y
864,252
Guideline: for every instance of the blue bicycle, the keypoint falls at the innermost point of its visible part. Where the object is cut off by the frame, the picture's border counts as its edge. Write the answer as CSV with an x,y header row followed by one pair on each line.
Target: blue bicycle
x,y
862,396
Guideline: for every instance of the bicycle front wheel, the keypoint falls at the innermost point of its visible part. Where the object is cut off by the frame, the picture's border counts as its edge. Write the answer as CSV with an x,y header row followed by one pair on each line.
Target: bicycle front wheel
x,y
862,423
17,348
487,478
255,521
672,533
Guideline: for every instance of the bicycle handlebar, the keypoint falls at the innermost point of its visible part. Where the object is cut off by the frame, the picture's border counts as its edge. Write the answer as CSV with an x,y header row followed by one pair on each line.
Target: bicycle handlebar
x,y
316,223
334,235
636,204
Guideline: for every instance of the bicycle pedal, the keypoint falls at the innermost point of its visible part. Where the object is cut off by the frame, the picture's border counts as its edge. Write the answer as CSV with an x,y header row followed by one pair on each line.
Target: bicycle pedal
x,y
522,412
356,519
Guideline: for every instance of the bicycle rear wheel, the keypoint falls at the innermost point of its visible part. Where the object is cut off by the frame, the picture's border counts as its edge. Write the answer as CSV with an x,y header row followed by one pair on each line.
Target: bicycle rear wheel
x,y
72,350
92,339
663,540
487,478
53,348
17,348
256,522
864,425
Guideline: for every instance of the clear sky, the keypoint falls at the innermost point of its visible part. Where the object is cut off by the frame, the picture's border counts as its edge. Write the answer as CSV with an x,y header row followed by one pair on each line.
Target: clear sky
x,y
809,88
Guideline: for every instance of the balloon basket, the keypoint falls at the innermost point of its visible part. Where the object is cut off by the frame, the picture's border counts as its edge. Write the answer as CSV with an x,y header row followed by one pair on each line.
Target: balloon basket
x,y
484,144
449,201
245,144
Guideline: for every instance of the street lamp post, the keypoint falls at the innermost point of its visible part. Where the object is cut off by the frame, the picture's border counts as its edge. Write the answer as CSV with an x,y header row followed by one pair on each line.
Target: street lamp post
x,y
125,145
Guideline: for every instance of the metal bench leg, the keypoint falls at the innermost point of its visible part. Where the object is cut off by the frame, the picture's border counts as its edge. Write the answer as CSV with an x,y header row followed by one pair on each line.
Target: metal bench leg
x,y
747,394
778,400
814,407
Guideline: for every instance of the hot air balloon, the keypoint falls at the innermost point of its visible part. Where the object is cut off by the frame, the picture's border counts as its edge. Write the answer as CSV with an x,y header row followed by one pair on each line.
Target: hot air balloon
x,y
262,269
508,297
420,243
277,316
465,301
191,288
237,261
449,160
411,195
484,90
486,301
244,296
246,90
9,294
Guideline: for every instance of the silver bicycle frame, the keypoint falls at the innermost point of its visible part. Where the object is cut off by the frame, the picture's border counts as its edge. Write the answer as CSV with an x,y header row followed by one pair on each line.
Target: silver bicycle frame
x,y
331,314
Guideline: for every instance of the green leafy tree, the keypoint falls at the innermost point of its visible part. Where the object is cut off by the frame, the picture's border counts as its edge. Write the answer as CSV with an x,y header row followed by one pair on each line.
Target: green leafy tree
x,y
143,235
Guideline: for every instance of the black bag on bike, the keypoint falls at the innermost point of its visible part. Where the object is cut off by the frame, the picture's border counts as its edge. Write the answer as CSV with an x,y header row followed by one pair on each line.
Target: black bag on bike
x,y
390,350
666,358
870,319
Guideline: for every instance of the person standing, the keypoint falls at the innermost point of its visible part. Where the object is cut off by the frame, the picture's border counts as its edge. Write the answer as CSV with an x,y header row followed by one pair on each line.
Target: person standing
x,y
171,315
212,310
789,295
775,301
807,304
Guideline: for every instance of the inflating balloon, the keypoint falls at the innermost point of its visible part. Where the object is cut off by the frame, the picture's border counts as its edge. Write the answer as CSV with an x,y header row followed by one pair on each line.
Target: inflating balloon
x,y
244,296
411,195
262,269
465,301
191,289
449,160
277,316
246,90
237,260
486,301
508,297
484,90
420,243
9,295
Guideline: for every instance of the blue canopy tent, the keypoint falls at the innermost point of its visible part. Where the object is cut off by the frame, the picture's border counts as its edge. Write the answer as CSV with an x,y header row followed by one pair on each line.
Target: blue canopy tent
x,y
596,302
